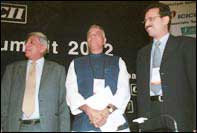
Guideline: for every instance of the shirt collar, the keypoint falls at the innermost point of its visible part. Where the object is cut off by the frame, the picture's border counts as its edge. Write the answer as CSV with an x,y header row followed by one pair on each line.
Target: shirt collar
x,y
163,40
39,61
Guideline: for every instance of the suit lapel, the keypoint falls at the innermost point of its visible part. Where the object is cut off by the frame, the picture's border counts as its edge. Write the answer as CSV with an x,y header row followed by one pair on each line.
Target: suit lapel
x,y
169,49
44,75
147,76
148,60
22,74
145,60
22,80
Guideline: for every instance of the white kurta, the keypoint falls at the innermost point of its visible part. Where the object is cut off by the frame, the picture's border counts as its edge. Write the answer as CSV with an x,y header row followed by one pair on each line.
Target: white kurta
x,y
120,99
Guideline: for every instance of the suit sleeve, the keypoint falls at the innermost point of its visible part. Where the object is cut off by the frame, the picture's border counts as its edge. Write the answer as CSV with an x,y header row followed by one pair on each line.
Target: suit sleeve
x,y
139,83
189,56
64,114
5,96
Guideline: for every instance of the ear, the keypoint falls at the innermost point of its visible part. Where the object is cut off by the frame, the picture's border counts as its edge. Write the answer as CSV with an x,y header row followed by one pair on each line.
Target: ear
x,y
166,20
105,40
43,48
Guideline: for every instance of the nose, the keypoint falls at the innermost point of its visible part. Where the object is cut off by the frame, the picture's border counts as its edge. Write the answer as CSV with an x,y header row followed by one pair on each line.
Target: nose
x,y
147,24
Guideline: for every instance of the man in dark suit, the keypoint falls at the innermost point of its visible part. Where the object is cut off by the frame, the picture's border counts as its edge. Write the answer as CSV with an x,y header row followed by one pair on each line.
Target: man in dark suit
x,y
166,76
33,92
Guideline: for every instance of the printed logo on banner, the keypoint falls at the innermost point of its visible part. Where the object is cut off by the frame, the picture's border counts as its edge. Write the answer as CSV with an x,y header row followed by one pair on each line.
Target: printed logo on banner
x,y
13,13
133,90
188,30
130,107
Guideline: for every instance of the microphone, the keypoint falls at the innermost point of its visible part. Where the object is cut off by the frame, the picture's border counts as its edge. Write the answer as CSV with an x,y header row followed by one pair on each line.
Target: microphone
x,y
171,118
142,120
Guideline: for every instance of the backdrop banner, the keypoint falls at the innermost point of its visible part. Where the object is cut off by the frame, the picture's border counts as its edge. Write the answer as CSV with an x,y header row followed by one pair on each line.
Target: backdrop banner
x,y
66,25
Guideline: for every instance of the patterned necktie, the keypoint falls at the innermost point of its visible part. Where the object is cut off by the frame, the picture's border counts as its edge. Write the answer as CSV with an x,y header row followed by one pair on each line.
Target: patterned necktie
x,y
155,88
29,96
157,55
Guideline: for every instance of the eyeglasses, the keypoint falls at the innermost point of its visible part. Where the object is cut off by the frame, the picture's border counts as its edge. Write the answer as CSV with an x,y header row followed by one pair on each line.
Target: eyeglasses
x,y
149,19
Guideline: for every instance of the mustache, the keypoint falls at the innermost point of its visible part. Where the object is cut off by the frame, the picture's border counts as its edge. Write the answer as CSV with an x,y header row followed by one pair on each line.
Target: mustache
x,y
148,26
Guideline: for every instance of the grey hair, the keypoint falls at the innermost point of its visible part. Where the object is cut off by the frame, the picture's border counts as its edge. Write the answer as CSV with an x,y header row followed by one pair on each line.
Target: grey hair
x,y
42,37
97,26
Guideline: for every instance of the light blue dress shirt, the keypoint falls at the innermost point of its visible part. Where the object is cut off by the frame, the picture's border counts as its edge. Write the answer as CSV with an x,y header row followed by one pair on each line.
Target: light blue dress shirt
x,y
162,46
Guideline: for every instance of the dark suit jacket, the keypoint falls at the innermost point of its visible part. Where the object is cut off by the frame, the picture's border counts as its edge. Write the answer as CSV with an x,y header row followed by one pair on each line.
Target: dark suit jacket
x,y
178,79
54,113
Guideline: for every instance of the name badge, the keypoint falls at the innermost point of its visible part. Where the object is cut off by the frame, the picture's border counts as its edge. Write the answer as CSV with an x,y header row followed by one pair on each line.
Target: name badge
x,y
99,85
155,79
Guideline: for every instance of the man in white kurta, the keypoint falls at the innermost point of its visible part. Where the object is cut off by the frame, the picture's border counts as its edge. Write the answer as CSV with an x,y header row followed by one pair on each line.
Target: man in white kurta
x,y
98,88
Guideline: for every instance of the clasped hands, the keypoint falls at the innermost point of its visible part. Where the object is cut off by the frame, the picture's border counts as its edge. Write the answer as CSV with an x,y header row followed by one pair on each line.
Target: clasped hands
x,y
97,117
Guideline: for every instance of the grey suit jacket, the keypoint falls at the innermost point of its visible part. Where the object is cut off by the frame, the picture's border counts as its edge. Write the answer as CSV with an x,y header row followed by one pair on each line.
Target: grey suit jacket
x,y
54,112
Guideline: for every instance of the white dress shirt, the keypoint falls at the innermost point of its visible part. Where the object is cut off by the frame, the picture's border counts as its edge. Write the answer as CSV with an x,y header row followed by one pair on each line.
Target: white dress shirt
x,y
39,68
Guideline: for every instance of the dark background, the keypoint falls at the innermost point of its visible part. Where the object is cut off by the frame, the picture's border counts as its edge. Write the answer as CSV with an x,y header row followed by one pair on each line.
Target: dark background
x,y
69,21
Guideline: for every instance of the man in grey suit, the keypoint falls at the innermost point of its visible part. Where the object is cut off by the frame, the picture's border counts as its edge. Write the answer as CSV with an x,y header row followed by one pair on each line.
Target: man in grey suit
x,y
44,108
